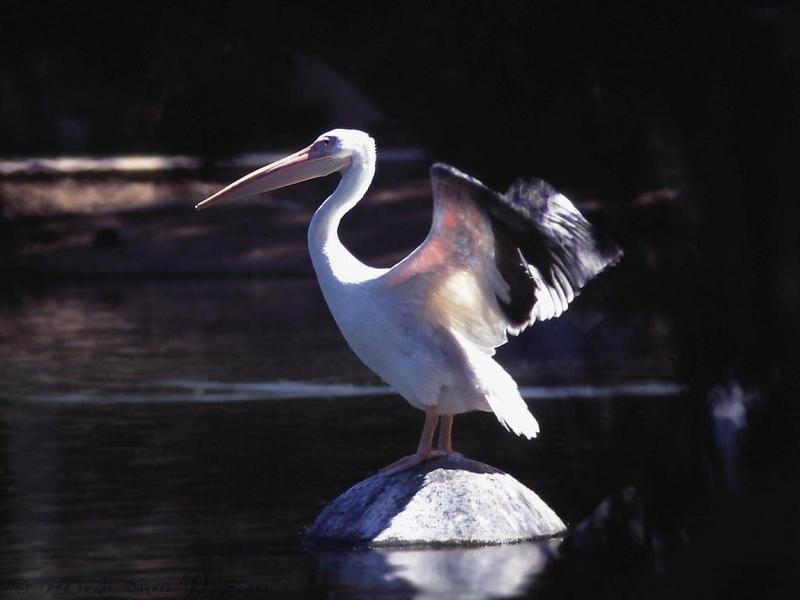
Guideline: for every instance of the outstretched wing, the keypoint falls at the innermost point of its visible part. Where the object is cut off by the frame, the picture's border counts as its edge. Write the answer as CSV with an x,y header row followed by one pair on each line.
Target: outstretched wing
x,y
495,263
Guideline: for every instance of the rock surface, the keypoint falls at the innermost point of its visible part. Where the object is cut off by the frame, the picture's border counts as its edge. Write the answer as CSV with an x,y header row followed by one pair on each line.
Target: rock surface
x,y
444,501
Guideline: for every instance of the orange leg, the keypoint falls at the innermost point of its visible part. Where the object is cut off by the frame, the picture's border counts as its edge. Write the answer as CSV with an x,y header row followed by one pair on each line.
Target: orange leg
x,y
423,452
444,446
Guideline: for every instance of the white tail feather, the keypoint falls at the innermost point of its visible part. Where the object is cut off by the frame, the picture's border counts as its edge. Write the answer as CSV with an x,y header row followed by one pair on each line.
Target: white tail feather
x,y
500,390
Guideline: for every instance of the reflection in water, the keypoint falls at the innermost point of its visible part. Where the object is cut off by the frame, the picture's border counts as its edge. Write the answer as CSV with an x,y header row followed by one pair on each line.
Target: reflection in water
x,y
485,572
118,339
146,471
728,403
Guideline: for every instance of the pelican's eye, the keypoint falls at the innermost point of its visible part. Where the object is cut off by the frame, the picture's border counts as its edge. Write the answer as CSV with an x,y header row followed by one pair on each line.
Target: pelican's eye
x,y
325,145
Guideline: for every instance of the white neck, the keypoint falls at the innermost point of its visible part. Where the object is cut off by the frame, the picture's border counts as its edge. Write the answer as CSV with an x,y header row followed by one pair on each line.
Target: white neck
x,y
332,261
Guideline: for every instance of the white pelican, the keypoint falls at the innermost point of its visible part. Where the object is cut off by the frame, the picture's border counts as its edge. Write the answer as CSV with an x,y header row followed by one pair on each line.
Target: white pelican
x,y
491,265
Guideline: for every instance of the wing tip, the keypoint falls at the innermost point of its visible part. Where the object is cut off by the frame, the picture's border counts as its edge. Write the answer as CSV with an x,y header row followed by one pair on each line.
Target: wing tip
x,y
614,255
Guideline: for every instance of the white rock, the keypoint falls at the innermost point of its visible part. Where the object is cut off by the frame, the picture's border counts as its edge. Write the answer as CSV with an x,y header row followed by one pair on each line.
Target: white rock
x,y
444,501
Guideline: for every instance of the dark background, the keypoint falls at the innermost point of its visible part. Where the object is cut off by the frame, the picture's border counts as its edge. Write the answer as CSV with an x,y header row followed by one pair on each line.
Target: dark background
x,y
619,104
583,92
678,124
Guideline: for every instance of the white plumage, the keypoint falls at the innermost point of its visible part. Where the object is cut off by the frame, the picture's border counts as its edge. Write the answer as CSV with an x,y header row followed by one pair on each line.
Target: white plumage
x,y
491,265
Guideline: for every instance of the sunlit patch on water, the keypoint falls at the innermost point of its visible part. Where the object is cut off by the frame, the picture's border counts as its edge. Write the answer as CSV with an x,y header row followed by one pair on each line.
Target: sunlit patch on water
x,y
153,163
179,390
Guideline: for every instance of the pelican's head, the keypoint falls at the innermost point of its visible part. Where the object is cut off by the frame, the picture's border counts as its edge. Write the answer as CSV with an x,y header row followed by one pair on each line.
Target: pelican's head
x,y
331,152
346,142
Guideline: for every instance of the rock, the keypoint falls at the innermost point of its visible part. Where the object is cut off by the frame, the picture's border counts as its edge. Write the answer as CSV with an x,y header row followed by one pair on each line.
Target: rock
x,y
445,501
618,523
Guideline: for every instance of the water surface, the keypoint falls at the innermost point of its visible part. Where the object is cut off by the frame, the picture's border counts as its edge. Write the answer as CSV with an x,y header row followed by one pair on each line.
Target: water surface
x,y
174,438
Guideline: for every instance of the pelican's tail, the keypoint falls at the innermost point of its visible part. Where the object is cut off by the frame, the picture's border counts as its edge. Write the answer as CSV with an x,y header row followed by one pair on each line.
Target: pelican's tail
x,y
500,391
508,406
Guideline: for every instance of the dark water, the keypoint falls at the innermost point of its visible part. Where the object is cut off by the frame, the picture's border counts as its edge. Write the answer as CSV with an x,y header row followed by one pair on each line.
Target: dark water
x,y
174,439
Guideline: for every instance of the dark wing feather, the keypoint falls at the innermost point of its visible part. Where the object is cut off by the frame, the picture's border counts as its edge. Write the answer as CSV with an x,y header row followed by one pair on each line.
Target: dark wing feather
x,y
543,247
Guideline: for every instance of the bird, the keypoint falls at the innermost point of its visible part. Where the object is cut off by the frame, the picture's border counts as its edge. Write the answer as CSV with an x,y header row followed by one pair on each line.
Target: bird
x,y
491,265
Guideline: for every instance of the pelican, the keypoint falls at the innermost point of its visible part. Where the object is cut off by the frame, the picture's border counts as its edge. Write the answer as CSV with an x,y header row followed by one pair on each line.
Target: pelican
x,y
491,265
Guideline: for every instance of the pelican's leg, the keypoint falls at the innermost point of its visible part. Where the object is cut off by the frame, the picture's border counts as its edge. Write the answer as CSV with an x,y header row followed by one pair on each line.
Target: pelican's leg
x,y
423,452
444,447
